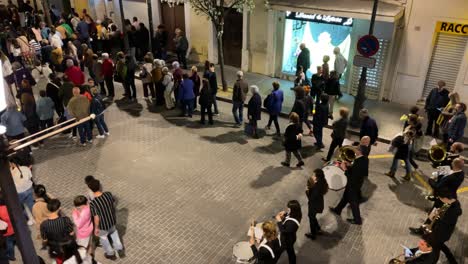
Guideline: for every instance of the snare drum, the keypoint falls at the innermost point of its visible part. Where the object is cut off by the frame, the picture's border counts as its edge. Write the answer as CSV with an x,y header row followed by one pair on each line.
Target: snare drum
x,y
242,253
335,176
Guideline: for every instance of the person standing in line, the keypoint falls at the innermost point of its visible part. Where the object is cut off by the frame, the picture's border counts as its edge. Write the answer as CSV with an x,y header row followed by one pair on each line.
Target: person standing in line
x,y
270,249
78,107
339,133
39,210
45,110
332,89
181,46
303,60
161,37
239,94
355,178
292,140
108,73
205,100
186,96
97,108
211,76
143,36
157,77
368,127
177,73
254,112
147,78
103,212
82,219
274,107
320,120
168,84
456,125
130,88
288,224
57,230
196,85
9,235
435,101
317,187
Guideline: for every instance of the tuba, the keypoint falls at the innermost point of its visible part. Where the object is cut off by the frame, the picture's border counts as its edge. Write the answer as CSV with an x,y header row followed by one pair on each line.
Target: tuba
x,y
437,153
347,153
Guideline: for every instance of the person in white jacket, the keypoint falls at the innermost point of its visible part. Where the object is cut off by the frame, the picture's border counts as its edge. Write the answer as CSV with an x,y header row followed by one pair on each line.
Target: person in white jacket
x,y
168,82
340,62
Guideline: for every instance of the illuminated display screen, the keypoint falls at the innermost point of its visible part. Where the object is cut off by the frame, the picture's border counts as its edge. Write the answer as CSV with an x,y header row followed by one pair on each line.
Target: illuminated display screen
x,y
321,34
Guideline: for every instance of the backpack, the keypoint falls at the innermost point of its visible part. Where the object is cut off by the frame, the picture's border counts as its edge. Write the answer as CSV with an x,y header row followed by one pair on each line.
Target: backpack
x,y
268,100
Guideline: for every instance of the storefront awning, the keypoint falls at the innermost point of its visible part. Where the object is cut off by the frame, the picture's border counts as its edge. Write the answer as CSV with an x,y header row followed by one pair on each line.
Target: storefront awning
x,y
388,10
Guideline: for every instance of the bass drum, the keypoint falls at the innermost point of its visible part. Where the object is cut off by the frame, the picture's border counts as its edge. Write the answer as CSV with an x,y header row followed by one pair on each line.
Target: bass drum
x,y
335,176
242,253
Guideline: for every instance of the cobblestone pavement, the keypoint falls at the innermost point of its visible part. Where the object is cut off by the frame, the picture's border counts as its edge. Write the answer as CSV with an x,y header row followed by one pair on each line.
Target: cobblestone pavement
x,y
187,192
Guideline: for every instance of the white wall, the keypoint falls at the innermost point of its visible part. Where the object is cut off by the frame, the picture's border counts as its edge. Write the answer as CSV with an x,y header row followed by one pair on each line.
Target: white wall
x,y
137,9
416,48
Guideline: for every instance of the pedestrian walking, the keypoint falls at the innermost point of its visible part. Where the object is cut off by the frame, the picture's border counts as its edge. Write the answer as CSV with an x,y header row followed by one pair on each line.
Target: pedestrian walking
x,y
103,212
299,106
317,187
254,112
339,132
239,94
274,107
211,76
320,120
368,127
318,84
402,145
332,89
97,108
292,140
82,218
186,96
78,107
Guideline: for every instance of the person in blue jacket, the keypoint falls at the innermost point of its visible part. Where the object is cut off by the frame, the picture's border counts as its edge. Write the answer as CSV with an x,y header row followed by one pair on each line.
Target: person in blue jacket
x,y
97,108
274,107
457,124
186,95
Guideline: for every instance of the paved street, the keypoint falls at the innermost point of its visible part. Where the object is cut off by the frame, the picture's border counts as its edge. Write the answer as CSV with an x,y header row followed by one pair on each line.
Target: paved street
x,y
186,193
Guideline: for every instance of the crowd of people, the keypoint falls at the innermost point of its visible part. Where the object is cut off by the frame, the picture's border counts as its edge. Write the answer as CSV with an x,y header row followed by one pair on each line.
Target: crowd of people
x,y
64,53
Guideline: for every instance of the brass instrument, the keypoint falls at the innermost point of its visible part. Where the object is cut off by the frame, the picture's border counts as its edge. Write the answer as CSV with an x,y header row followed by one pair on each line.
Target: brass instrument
x,y
437,153
347,153
427,228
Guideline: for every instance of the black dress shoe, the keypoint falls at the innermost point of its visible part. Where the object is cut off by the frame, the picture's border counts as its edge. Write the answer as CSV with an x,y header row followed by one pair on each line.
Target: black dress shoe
x,y
352,221
300,164
334,211
416,231
111,257
285,164
310,236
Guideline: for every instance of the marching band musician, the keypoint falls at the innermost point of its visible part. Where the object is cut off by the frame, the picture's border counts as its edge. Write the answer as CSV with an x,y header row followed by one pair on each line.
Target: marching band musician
x,y
423,254
288,224
449,183
453,153
441,223
269,250
355,174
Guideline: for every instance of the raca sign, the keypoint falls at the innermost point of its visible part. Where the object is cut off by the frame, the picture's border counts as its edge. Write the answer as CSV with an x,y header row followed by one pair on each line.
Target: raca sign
x,y
452,28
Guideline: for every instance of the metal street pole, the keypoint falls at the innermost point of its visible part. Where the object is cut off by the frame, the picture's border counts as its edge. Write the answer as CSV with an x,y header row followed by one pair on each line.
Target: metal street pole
x,y
124,29
360,97
15,211
150,21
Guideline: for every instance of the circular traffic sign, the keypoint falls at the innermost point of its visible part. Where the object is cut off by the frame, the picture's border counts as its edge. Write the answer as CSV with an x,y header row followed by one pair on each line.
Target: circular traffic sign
x,y
368,45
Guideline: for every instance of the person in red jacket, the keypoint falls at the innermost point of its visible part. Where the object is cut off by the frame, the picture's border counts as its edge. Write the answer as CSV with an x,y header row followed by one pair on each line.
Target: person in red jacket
x,y
9,235
74,73
108,72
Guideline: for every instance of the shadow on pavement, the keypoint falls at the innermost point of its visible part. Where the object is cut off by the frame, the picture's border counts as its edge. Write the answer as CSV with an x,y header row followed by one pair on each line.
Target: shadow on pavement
x,y
368,188
273,148
269,176
122,216
59,146
133,108
229,137
409,194
309,151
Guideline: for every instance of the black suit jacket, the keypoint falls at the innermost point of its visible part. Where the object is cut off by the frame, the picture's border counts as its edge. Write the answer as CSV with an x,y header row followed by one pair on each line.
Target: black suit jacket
x,y
451,182
263,255
443,228
316,201
355,175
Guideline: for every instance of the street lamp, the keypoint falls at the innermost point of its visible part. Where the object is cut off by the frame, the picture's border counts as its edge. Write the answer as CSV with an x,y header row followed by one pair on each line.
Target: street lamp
x,y
15,211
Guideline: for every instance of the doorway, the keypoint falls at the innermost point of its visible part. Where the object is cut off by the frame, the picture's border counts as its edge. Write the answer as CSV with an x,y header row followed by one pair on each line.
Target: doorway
x,y
232,39
172,18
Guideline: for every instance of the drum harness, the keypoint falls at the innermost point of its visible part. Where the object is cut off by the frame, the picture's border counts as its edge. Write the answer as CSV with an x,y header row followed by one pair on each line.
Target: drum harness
x,y
264,245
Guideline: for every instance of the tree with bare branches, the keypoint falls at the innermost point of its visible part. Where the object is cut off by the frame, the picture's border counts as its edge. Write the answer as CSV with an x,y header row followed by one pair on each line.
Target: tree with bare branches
x,y
216,11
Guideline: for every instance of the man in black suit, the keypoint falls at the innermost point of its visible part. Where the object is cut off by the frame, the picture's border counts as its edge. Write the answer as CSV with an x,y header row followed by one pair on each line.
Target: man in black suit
x,y
355,174
303,59
445,223
449,183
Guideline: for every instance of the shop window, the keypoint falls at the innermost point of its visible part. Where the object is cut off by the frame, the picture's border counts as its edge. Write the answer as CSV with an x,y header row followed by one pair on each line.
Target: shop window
x,y
375,75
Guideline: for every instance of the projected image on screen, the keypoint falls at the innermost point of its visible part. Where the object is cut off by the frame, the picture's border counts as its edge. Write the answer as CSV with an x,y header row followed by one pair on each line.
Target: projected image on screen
x,y
320,39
